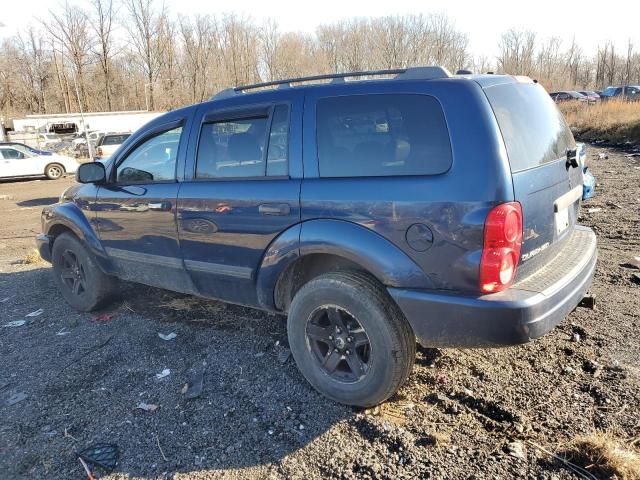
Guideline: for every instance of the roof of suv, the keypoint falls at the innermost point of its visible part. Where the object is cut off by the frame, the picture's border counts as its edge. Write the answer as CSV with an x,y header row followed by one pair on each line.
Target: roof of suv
x,y
404,74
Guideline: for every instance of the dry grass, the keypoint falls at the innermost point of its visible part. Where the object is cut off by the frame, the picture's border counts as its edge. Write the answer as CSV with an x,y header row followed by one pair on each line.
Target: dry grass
x,y
190,303
32,258
604,455
614,121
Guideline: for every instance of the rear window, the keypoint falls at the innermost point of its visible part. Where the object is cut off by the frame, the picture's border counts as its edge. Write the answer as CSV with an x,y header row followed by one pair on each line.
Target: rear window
x,y
382,135
114,139
533,129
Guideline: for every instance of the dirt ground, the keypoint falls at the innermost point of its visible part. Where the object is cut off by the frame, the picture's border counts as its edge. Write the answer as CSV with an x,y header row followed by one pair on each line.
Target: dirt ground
x,y
463,414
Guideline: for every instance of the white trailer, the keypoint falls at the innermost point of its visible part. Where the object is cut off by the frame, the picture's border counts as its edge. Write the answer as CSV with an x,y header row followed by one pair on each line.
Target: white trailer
x,y
127,121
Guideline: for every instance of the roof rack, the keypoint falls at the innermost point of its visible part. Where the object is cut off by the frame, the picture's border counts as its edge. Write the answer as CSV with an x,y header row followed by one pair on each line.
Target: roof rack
x,y
413,73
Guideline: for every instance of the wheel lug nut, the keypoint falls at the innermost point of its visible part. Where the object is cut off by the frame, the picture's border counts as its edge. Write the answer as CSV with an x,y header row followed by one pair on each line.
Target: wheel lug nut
x,y
335,350
348,352
338,330
349,339
330,337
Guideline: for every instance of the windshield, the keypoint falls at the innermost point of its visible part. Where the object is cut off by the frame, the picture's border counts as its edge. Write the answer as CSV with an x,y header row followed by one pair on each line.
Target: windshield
x,y
533,129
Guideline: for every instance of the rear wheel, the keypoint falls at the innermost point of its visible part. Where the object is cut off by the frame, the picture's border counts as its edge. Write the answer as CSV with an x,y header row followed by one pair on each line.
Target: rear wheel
x,y
54,171
349,339
82,284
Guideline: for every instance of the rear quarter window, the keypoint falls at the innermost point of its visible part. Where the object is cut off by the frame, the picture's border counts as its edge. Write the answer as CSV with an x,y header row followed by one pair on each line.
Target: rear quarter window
x,y
533,129
381,135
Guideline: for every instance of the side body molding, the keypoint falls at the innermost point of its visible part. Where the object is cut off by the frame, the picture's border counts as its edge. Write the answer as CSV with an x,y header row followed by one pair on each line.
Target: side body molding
x,y
344,239
71,216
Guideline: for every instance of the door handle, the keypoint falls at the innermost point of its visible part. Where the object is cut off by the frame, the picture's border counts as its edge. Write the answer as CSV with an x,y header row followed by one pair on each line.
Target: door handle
x,y
274,209
159,206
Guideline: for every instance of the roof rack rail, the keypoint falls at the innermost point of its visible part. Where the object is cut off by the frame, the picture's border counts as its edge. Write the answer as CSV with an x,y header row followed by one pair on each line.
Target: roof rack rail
x,y
412,73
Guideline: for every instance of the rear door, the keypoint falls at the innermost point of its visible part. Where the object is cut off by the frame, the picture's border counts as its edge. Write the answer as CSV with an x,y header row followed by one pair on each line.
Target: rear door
x,y
242,190
547,186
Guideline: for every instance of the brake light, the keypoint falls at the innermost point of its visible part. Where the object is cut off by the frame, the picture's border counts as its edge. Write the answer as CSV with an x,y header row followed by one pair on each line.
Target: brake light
x,y
501,249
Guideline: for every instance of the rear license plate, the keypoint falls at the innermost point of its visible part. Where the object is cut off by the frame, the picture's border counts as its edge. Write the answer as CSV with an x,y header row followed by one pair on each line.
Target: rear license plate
x,y
562,220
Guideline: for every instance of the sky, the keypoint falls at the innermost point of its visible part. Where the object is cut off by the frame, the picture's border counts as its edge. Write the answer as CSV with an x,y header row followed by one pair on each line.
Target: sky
x,y
589,22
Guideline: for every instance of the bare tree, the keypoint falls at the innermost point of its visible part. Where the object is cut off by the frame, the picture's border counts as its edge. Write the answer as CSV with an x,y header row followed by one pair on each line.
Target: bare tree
x,y
102,23
71,29
144,33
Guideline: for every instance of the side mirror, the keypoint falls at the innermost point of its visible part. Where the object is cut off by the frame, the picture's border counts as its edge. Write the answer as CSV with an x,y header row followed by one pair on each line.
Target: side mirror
x,y
91,173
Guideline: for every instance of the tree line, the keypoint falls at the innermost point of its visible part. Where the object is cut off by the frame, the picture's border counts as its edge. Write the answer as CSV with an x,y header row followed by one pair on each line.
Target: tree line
x,y
134,54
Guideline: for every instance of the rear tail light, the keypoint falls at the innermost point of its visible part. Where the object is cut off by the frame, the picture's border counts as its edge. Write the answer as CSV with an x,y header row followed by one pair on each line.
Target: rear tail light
x,y
501,250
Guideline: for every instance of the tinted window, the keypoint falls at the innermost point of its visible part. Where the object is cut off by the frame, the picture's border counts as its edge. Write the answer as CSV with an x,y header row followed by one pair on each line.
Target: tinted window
x,y
232,149
278,142
114,139
381,135
532,127
12,154
153,161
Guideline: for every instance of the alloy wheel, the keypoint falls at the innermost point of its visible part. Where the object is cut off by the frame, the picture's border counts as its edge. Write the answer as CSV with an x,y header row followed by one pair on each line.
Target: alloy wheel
x,y
338,343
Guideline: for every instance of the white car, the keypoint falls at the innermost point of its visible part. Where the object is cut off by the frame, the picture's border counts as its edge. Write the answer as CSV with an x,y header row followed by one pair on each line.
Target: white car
x,y
16,161
48,139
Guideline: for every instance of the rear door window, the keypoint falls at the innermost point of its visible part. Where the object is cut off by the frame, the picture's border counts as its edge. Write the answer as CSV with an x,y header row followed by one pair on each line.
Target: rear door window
x,y
245,147
533,129
382,135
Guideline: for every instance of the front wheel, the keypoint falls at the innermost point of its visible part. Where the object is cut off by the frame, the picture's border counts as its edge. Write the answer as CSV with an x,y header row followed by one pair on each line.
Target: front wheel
x,y
82,284
349,339
54,171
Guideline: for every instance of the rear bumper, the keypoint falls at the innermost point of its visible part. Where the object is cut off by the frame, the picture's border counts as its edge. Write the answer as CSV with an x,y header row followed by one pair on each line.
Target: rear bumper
x,y
526,311
43,244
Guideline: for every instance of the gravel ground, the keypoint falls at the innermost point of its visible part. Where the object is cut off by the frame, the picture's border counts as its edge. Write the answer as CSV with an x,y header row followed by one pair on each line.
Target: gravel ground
x,y
463,413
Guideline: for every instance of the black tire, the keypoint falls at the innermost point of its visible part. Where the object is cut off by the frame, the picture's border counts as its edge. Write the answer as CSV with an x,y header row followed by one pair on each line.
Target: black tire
x,y
364,375
54,171
82,284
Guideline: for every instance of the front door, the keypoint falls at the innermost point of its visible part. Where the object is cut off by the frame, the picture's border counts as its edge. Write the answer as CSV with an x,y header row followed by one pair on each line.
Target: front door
x,y
16,163
135,212
243,192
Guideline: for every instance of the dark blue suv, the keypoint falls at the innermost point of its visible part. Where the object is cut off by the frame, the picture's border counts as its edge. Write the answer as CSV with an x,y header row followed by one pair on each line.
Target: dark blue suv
x,y
409,204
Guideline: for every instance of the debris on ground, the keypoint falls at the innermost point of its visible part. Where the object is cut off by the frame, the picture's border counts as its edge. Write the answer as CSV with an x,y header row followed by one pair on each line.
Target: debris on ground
x,y
163,374
283,355
6,299
594,210
15,398
604,455
63,332
195,383
168,336
147,407
103,455
36,313
636,278
516,449
15,323
104,317
634,262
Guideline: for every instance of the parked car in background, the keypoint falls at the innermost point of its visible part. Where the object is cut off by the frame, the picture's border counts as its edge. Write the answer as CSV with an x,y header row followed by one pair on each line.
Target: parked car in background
x,y
35,151
630,93
568,96
16,161
47,139
592,96
108,143
93,136
429,206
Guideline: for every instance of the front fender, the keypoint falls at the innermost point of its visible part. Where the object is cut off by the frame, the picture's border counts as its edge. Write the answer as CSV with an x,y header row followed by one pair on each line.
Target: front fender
x,y
375,254
70,215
